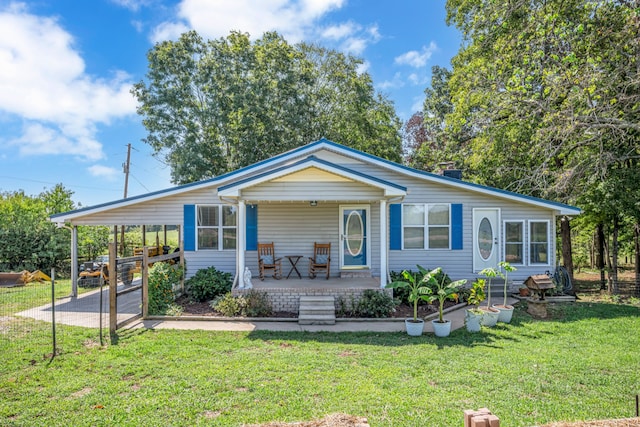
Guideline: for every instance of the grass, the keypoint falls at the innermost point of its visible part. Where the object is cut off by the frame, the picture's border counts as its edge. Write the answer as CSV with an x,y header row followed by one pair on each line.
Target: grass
x,y
14,300
581,365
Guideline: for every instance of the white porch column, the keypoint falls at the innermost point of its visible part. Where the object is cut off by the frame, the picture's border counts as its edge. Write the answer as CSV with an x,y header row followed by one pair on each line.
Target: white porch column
x,y
384,242
74,261
241,241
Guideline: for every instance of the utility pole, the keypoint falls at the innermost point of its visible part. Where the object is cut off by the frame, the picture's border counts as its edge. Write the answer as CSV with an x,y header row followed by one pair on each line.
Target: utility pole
x,y
125,166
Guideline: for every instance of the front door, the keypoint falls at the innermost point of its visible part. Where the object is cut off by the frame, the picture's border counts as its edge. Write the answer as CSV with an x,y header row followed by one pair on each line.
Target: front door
x,y
354,231
486,238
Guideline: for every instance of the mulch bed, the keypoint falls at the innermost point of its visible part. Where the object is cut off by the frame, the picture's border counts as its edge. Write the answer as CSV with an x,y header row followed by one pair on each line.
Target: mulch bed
x,y
335,420
629,422
403,311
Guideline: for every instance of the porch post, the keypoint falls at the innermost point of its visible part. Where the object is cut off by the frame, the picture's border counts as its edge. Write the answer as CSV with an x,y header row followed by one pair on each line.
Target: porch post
x,y
383,243
241,242
74,261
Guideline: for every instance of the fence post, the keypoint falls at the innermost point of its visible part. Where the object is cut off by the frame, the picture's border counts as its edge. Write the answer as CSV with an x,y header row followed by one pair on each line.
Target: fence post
x,y
113,285
53,311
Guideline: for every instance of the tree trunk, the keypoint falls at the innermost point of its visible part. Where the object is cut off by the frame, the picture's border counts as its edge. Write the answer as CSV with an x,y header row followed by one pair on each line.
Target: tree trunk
x,y
567,256
614,267
636,241
600,254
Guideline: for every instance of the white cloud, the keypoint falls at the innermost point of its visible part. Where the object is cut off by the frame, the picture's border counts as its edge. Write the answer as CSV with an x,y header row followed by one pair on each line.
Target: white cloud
x,y
396,82
417,59
133,5
110,174
340,31
213,19
43,83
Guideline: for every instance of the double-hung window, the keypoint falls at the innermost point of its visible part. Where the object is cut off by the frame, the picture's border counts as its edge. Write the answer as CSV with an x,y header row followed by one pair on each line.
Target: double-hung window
x,y
217,227
514,242
426,226
539,242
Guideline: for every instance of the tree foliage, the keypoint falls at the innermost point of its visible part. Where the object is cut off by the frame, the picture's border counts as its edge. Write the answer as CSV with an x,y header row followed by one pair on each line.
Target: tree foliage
x,y
212,106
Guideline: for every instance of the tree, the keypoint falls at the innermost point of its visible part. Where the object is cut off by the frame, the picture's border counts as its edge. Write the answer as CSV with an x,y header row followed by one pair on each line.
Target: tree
x,y
212,106
551,91
29,240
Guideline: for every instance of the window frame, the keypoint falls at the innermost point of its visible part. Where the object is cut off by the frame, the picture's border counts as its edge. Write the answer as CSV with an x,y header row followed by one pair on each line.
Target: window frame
x,y
530,242
220,227
426,226
523,242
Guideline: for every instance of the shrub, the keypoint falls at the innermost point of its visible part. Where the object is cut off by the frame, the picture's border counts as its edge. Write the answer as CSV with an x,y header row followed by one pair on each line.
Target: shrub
x,y
258,304
228,305
252,304
162,278
207,284
374,304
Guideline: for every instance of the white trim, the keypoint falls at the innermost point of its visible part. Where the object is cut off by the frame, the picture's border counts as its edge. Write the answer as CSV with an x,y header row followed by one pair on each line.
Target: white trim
x,y
367,230
530,241
524,240
220,227
384,241
299,153
474,239
425,226
241,217
236,190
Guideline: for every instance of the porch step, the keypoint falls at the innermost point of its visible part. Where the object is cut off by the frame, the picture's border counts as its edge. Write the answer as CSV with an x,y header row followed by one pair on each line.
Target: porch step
x,y
350,274
317,310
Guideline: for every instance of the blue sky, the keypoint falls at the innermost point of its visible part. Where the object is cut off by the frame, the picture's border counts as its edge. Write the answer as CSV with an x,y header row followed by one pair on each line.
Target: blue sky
x,y
66,67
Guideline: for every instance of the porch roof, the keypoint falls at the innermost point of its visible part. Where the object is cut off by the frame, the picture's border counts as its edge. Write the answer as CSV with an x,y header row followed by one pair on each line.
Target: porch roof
x,y
389,189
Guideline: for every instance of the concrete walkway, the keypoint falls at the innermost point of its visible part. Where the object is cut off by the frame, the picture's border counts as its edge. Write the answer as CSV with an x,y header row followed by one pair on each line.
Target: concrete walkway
x,y
85,311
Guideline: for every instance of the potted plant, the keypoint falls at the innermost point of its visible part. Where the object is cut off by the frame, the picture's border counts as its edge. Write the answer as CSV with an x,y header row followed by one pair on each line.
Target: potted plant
x,y
441,292
417,291
506,311
473,317
490,314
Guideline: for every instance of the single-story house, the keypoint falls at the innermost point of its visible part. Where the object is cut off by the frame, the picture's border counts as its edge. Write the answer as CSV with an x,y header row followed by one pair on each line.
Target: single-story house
x,y
379,216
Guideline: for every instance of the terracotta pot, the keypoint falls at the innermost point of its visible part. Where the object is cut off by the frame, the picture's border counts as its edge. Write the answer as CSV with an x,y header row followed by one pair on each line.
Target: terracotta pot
x,y
524,292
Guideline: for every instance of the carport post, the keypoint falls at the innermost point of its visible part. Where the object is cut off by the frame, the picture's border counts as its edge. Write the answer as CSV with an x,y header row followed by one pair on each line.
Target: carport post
x,y
113,285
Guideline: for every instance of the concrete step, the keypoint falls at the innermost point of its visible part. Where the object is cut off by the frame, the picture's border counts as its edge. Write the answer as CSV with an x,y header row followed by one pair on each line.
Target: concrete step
x,y
317,310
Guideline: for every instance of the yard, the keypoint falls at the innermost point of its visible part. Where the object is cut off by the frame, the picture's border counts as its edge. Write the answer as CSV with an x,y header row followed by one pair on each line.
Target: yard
x,y
582,364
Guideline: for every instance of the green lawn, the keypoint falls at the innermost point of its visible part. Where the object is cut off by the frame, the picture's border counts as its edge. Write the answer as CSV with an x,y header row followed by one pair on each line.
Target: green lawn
x,y
583,364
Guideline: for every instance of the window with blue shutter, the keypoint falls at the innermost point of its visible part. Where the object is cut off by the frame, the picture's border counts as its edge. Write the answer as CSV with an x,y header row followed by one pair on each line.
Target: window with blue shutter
x,y
252,228
395,227
189,227
456,226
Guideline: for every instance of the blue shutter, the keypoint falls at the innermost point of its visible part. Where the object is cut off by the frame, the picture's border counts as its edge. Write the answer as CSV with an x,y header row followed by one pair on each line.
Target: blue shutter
x,y
456,226
251,228
189,232
395,227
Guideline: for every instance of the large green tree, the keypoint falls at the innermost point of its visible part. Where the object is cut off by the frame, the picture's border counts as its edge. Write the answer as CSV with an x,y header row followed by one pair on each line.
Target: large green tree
x,y
212,106
548,93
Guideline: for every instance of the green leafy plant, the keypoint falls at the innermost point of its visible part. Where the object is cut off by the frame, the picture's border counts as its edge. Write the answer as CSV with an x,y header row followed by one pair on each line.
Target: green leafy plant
x,y
507,269
162,279
207,284
476,294
374,304
257,304
441,290
228,305
489,273
418,288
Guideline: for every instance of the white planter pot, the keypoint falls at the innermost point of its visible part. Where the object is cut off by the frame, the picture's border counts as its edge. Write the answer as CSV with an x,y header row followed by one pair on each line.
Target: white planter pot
x,y
489,316
441,329
472,320
414,329
506,312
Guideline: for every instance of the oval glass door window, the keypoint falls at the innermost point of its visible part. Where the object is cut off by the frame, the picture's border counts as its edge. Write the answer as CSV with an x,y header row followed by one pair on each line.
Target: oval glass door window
x,y
355,233
485,239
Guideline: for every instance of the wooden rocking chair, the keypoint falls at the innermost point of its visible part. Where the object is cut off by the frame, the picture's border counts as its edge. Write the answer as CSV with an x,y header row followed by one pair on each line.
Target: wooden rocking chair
x,y
321,260
267,260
